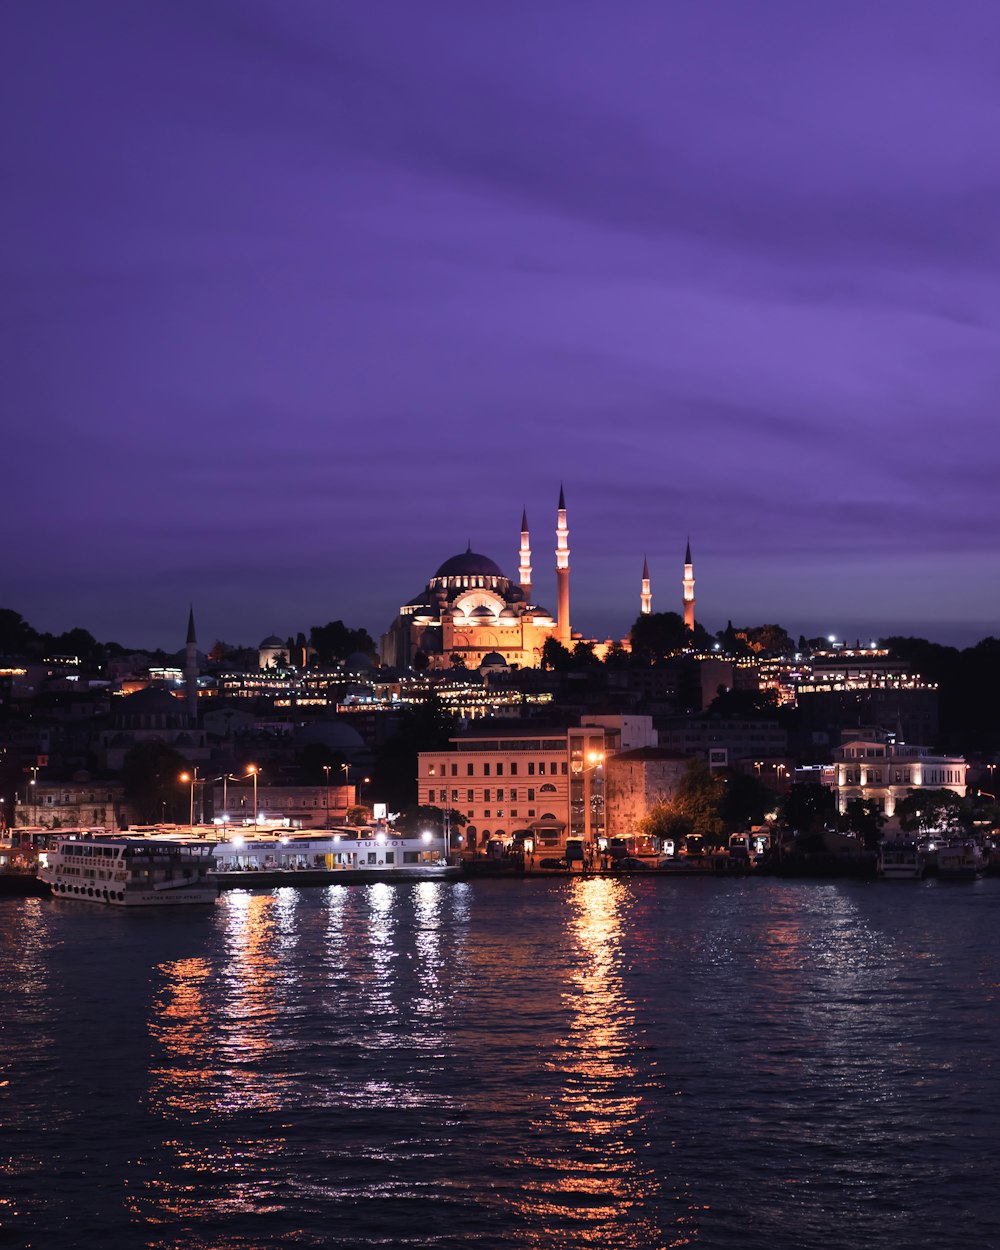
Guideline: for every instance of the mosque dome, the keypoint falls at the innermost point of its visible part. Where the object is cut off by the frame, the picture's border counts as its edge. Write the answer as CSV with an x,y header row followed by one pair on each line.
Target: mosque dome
x,y
469,564
272,641
334,734
482,613
493,659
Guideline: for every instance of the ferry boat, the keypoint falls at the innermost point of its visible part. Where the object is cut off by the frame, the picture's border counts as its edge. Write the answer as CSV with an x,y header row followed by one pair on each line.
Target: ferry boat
x,y
901,862
960,861
129,872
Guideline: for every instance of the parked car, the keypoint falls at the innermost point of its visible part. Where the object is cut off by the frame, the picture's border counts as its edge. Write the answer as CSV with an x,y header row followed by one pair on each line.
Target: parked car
x,y
552,863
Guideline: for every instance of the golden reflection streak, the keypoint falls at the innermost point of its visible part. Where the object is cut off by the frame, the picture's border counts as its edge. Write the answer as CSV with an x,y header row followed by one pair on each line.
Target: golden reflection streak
x,y
201,1076
598,1186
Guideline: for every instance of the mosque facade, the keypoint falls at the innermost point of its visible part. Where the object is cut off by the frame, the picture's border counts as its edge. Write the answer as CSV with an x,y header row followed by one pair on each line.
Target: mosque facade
x,y
470,612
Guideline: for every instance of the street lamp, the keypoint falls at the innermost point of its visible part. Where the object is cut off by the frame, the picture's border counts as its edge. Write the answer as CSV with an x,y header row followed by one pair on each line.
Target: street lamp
x,y
252,771
193,778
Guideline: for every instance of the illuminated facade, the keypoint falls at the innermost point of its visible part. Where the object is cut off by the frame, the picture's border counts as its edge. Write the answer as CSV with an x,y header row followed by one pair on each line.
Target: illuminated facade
x,y
470,611
884,772
545,785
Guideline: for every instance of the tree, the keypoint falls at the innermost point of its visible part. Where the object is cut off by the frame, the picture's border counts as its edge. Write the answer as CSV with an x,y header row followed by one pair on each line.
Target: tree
x,y
358,814
862,816
932,811
769,640
656,635
414,820
699,798
151,774
665,821
335,641
807,808
583,655
16,635
555,656
745,800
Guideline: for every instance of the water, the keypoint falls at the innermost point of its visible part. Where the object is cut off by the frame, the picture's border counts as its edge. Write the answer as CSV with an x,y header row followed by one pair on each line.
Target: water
x,y
599,1063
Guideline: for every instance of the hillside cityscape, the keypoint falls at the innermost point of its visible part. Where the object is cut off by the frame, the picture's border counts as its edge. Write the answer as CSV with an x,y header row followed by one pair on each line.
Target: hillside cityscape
x,y
671,732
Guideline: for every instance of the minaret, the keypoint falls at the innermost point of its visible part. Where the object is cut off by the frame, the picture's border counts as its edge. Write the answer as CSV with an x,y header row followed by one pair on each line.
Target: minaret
x,y
563,633
646,596
191,669
524,568
688,588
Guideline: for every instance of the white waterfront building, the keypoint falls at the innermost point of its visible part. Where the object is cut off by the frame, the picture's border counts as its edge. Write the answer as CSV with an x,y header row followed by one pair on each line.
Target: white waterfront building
x,y
884,772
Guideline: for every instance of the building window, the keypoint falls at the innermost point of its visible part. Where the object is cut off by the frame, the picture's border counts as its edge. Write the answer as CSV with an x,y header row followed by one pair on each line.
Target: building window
x,y
531,794
468,770
486,770
513,794
430,796
454,796
486,813
469,795
454,770
390,857
500,795
541,768
513,811
499,770
513,769
563,768
531,768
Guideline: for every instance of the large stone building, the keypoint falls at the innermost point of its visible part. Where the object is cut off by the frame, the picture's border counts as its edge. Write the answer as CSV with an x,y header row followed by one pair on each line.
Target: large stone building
x,y
638,781
545,785
470,611
883,772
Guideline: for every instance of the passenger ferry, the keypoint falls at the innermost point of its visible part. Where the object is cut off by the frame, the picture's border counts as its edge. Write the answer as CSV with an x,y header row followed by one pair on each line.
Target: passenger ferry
x,y
128,872
901,861
960,861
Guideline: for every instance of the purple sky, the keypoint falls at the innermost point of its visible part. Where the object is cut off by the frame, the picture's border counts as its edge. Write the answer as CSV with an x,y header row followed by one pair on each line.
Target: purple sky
x,y
298,298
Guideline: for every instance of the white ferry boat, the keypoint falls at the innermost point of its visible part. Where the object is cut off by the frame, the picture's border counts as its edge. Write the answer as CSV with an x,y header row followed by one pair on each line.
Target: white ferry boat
x,y
129,872
901,862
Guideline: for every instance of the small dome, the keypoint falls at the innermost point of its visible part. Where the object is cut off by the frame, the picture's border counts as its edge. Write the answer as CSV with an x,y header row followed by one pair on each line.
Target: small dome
x,y
273,641
469,564
508,614
493,659
482,613
150,701
333,734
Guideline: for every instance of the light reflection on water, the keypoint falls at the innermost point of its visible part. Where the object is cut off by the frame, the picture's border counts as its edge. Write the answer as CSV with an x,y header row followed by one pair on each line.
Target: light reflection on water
x,y
588,1175
585,1063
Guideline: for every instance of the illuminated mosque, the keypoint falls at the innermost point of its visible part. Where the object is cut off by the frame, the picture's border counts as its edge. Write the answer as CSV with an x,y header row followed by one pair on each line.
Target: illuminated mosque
x,y
470,613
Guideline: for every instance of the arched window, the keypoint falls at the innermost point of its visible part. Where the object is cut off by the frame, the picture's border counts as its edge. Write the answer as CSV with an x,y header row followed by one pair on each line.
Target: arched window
x,y
548,788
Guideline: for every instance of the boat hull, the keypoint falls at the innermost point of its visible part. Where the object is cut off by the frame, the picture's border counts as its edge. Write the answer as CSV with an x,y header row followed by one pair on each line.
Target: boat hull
x,y
186,897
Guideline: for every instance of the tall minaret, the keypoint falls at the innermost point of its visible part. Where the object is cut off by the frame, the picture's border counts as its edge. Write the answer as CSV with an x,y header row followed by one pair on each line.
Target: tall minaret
x,y
524,568
191,668
563,633
688,588
646,597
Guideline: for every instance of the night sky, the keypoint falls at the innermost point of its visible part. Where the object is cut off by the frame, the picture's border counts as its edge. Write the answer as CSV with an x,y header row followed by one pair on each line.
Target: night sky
x,y
300,297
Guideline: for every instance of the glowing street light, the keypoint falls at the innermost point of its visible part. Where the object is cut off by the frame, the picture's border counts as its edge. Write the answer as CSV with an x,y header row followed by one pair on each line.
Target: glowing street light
x,y
193,779
252,771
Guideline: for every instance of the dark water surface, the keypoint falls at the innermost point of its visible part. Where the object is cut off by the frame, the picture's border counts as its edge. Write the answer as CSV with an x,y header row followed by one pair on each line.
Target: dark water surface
x,y
589,1063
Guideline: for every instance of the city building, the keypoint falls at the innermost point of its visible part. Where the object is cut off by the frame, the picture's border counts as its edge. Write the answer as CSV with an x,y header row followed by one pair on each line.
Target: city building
x,y
73,805
637,781
536,785
303,807
881,771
